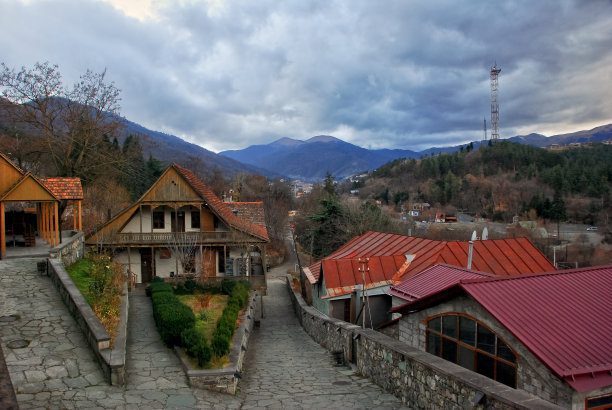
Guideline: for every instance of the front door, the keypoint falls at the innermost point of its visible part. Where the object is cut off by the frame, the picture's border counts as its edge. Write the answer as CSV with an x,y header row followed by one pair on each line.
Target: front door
x,y
177,219
146,265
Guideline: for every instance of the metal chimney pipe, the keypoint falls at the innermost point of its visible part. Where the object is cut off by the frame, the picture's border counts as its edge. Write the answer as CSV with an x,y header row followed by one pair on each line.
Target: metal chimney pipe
x,y
470,252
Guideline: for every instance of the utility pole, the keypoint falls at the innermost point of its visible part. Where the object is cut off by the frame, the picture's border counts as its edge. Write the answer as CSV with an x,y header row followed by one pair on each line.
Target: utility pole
x,y
363,269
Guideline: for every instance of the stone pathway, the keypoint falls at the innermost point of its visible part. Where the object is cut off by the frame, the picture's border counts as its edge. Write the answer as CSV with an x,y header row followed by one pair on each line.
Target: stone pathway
x,y
284,367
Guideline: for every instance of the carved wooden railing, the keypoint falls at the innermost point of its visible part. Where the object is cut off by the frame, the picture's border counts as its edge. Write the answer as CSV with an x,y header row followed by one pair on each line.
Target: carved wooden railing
x,y
181,238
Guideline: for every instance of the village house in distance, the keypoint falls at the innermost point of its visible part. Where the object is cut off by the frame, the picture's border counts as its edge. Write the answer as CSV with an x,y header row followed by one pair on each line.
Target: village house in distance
x,y
180,227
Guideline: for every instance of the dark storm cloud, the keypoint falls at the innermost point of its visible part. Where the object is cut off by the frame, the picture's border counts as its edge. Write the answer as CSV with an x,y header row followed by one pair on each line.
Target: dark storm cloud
x,y
407,74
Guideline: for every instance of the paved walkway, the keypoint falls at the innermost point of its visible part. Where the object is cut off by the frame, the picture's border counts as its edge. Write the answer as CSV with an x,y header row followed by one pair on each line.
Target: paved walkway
x,y
284,367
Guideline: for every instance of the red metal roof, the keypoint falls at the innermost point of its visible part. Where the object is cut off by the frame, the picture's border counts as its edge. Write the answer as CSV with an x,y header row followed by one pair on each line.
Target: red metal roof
x,y
219,207
564,318
433,280
394,258
64,188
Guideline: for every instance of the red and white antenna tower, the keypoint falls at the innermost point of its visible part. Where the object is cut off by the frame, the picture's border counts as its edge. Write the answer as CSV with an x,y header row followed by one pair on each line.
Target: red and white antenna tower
x,y
494,105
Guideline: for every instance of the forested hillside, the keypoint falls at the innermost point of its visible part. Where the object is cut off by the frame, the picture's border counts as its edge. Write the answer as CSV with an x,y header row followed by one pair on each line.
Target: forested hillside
x,y
501,180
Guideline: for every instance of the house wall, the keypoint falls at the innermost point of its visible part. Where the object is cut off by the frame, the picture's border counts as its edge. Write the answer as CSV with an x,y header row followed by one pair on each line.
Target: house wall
x,y
133,226
533,376
419,379
318,292
122,258
163,267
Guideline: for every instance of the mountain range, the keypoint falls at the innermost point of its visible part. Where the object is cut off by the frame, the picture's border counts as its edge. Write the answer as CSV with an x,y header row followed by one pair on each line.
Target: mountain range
x,y
312,159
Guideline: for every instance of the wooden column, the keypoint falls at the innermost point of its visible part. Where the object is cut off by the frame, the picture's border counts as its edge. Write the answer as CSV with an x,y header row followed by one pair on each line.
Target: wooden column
x,y
74,215
57,225
2,230
80,224
43,222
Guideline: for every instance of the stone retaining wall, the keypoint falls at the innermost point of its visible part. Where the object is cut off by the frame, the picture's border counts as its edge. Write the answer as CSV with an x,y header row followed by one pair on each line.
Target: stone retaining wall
x,y
112,361
71,249
419,379
226,379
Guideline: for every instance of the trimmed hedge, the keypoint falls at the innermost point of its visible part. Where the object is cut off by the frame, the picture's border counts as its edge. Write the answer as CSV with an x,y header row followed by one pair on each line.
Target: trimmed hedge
x,y
196,346
173,318
157,287
226,325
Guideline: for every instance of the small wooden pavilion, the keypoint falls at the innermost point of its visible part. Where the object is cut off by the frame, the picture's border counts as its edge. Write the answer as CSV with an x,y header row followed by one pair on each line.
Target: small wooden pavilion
x,y
36,205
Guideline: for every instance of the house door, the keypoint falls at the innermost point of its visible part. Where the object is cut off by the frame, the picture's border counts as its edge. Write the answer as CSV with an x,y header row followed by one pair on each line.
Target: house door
x,y
146,265
177,219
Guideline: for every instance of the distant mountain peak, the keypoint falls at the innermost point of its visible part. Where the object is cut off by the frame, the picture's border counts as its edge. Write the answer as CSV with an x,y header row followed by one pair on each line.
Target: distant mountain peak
x,y
323,138
286,142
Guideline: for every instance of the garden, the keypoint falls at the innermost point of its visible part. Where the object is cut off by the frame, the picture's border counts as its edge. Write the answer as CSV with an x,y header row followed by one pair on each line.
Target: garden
x,y
100,281
199,318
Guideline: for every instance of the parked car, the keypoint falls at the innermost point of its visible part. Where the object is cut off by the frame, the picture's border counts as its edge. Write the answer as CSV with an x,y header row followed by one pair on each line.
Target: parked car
x,y
592,228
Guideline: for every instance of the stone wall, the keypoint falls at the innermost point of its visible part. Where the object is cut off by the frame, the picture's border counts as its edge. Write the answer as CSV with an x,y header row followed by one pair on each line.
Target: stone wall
x,y
419,379
532,375
71,249
226,379
112,361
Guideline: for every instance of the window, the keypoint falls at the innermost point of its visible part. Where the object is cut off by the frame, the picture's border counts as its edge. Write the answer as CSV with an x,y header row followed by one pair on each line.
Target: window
x,y
463,340
158,219
195,219
600,402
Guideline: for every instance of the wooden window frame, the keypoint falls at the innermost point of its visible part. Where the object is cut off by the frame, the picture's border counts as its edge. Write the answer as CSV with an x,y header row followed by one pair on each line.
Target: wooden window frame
x,y
154,220
601,407
474,348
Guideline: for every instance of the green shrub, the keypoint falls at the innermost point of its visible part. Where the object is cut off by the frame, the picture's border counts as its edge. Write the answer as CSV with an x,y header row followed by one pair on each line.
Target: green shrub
x,y
196,346
160,287
227,286
157,279
173,318
220,344
163,298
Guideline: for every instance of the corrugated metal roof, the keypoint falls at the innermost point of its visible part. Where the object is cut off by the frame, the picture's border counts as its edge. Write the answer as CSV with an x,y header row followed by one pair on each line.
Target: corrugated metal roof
x,y
393,258
564,318
433,280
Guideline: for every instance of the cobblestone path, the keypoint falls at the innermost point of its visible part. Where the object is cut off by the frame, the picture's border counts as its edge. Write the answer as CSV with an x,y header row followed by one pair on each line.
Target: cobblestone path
x,y
284,367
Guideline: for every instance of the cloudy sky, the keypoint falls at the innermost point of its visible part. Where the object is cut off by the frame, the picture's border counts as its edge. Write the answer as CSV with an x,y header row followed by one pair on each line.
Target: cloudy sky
x,y
406,74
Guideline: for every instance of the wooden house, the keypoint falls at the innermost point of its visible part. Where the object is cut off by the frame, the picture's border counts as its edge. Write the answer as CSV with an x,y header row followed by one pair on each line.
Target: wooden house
x,y
180,227
30,206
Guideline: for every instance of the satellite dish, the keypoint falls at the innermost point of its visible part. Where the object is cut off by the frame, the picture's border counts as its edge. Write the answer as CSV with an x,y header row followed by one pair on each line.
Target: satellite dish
x,y
485,234
474,237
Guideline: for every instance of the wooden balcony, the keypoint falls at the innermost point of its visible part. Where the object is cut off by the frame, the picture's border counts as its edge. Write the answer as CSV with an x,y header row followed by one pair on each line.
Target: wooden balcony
x,y
183,238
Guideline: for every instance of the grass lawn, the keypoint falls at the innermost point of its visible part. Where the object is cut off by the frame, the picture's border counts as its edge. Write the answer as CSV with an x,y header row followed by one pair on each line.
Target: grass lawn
x,y
79,273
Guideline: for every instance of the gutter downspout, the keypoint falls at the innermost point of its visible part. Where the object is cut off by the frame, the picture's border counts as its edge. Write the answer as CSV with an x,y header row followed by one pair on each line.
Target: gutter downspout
x,y
470,252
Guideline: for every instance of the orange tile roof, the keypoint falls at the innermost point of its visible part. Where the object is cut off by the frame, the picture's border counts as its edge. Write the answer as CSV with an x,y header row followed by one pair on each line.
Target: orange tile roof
x,y
393,258
219,207
251,211
64,188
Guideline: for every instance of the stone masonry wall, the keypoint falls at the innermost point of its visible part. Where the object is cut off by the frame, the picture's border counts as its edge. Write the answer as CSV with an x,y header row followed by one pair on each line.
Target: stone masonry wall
x,y
532,376
71,249
421,380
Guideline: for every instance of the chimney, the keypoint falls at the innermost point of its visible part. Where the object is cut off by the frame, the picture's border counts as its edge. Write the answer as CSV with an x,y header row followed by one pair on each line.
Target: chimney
x,y
470,252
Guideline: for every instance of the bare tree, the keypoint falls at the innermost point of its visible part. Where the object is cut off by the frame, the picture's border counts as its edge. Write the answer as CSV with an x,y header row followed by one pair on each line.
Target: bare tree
x,y
72,123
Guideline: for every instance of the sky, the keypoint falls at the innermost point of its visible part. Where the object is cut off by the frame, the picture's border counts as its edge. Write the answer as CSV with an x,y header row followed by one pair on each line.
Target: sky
x,y
403,74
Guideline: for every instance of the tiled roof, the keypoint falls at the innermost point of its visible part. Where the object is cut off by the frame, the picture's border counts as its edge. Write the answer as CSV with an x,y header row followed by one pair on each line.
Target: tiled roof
x,y
564,318
251,211
393,258
433,280
64,188
219,207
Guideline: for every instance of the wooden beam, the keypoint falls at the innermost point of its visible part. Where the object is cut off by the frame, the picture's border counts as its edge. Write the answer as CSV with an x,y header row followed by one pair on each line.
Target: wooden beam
x,y
80,224
2,230
57,225
43,216
74,215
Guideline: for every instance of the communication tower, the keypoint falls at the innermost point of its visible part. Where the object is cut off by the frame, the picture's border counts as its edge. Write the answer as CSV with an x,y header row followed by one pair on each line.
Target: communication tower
x,y
494,105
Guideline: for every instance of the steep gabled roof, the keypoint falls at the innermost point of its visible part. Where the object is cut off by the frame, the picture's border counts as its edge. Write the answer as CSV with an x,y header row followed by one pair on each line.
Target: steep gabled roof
x,y
251,211
215,204
393,258
28,188
564,318
64,188
193,189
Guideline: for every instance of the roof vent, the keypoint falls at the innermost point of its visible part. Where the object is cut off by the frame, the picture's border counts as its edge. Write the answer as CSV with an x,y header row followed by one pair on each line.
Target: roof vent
x,y
235,211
